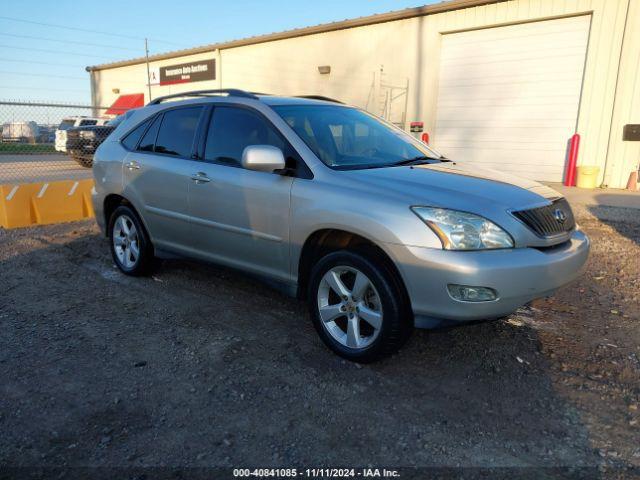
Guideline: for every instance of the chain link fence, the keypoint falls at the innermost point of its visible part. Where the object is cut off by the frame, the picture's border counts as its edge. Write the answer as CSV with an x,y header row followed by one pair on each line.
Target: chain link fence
x,y
50,141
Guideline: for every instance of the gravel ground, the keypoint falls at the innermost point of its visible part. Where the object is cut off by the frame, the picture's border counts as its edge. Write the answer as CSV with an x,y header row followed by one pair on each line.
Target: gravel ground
x,y
200,366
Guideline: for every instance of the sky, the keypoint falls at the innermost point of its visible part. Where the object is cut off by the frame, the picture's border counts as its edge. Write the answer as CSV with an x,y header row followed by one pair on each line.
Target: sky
x,y
41,62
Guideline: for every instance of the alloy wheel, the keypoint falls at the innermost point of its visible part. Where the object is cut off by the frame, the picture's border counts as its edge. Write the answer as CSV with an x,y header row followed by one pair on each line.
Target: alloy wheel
x,y
349,307
126,243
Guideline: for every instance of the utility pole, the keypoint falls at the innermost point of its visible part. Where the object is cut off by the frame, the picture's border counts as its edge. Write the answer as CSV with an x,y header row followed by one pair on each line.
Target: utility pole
x,y
146,52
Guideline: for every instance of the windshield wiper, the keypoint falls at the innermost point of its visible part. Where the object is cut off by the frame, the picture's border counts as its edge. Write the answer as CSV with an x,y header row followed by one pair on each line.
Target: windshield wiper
x,y
415,161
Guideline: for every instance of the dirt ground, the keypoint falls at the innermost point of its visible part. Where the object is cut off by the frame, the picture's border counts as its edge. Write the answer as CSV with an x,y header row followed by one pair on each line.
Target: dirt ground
x,y
200,366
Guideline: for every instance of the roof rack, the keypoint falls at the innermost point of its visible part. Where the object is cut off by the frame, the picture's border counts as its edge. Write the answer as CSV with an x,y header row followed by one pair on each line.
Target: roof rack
x,y
320,97
231,92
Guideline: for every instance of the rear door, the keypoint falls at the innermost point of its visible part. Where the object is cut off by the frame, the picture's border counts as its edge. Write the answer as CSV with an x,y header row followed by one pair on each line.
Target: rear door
x,y
241,217
157,175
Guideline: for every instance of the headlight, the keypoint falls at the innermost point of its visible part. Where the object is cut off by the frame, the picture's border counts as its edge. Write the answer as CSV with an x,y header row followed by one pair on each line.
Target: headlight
x,y
463,231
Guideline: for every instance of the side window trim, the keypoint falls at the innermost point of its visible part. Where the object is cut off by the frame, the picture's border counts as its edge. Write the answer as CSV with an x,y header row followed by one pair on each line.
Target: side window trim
x,y
159,117
303,171
202,131
160,120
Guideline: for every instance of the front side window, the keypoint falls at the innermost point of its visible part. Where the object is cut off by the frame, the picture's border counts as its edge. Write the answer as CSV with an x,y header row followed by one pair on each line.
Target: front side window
x,y
177,131
348,138
84,123
232,130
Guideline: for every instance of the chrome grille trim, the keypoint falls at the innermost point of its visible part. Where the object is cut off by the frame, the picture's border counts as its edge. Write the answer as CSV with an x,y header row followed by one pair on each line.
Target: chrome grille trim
x,y
543,220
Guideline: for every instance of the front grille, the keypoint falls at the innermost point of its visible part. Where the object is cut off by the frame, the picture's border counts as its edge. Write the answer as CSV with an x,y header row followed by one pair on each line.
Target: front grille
x,y
549,221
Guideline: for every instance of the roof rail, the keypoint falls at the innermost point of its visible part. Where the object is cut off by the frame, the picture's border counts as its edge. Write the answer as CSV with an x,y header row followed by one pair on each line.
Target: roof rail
x,y
231,92
320,97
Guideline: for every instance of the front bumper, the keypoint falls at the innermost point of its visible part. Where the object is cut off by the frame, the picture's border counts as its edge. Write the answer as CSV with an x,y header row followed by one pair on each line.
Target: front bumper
x,y
81,145
519,275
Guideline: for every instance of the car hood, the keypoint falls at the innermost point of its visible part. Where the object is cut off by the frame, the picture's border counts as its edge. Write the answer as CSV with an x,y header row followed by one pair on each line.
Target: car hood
x,y
456,185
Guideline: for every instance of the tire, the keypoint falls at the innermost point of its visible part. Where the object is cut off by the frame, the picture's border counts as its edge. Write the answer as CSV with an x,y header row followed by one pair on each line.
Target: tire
x,y
356,333
124,253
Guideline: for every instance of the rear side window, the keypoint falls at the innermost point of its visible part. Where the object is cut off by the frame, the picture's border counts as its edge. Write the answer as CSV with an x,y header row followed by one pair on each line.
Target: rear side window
x,y
177,131
147,142
233,129
84,123
131,140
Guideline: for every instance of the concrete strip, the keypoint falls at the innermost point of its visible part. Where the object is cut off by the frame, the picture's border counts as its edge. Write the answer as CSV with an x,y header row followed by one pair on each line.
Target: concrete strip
x,y
610,197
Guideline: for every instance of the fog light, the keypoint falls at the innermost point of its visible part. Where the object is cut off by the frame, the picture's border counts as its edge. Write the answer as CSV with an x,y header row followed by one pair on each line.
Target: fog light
x,y
466,293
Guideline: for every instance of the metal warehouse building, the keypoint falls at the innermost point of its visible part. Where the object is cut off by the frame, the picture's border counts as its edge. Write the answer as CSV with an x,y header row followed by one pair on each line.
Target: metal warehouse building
x,y
502,84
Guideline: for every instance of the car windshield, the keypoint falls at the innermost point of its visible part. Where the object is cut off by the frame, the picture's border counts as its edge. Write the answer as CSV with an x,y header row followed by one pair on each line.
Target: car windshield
x,y
347,138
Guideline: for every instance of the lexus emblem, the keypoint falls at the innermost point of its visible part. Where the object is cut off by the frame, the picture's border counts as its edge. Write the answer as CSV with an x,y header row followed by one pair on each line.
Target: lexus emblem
x,y
560,216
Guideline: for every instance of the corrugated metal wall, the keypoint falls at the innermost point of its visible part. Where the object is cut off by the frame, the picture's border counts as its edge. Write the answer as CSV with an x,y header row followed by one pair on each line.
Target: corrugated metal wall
x,y
409,49
601,69
623,156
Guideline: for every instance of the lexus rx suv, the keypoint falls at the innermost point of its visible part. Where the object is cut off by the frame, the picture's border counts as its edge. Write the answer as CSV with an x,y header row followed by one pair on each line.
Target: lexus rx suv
x,y
376,230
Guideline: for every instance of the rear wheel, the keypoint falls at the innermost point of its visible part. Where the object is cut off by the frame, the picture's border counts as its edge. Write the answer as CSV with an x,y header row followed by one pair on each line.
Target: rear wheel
x,y
130,246
357,307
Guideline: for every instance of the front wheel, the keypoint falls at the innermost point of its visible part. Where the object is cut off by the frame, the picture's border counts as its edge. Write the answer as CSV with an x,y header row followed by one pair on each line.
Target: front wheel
x,y
358,307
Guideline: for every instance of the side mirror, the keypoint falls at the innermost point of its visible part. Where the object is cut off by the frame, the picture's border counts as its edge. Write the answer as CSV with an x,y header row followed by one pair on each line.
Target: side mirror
x,y
262,158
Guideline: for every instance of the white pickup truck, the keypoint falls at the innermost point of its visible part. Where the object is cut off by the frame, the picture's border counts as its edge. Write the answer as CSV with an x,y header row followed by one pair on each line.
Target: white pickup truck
x,y
70,122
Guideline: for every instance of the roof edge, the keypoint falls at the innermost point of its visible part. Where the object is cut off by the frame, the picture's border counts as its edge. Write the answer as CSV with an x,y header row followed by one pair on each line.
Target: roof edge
x,y
304,31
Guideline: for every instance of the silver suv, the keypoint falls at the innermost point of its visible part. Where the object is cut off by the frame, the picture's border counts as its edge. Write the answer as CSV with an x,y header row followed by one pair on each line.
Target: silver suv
x,y
378,231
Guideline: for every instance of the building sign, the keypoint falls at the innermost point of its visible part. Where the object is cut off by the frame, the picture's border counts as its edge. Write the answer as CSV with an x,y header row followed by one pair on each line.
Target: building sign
x,y
416,127
188,72
154,76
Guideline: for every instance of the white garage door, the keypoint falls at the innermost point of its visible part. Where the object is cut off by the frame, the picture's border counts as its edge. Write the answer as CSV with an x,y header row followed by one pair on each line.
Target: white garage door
x,y
508,96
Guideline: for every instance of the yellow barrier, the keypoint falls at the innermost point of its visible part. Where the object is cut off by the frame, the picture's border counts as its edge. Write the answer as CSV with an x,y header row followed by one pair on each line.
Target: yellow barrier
x,y
41,203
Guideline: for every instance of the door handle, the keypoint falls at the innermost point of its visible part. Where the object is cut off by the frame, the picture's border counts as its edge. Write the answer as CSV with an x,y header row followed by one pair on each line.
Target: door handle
x,y
200,177
133,165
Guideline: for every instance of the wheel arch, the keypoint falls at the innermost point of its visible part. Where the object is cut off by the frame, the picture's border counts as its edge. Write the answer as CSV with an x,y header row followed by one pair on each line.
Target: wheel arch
x,y
113,201
110,203
326,240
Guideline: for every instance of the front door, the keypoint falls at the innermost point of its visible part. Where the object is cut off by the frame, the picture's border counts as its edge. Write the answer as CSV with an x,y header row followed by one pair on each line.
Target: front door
x,y
240,217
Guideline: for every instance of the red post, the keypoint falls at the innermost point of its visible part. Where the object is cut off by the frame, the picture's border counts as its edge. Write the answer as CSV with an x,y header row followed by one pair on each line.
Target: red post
x,y
425,138
570,175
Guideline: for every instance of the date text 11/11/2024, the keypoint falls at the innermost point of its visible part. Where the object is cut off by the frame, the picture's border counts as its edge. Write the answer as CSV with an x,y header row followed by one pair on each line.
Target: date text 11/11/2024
x,y
316,473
